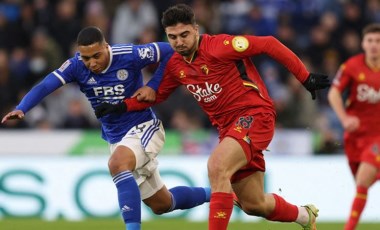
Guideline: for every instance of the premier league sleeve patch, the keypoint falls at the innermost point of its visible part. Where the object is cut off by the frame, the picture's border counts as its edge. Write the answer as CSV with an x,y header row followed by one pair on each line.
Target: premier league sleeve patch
x,y
240,43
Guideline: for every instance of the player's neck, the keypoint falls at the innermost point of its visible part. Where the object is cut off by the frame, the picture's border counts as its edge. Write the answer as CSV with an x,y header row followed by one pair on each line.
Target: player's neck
x,y
373,63
191,57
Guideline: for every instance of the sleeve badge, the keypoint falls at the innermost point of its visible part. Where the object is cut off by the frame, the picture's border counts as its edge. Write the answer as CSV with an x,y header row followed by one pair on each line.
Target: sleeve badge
x,y
240,43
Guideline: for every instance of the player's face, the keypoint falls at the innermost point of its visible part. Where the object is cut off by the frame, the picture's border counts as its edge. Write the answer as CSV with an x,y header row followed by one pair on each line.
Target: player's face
x,y
95,56
371,45
183,38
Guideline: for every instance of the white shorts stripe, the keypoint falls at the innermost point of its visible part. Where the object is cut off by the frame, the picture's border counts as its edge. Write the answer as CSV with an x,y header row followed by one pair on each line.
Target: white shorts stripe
x,y
149,133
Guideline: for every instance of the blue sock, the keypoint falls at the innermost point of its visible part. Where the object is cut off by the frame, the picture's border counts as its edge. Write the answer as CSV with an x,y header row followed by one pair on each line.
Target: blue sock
x,y
188,197
129,199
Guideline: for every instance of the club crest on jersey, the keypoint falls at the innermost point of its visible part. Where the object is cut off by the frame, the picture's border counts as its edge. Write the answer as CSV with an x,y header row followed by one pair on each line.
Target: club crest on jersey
x,y
146,53
204,69
240,43
122,74
64,65
182,74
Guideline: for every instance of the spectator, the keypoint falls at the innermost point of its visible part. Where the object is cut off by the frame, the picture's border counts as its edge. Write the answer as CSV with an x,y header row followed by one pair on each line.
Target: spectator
x,y
138,15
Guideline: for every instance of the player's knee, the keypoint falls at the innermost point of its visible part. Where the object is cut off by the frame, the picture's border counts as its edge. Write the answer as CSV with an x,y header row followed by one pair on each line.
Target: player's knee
x,y
120,162
160,209
216,171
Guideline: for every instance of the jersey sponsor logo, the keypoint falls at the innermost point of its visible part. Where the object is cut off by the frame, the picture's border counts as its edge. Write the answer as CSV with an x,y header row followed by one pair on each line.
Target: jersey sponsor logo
x,y
207,94
64,65
146,53
110,92
240,43
366,93
122,74
92,81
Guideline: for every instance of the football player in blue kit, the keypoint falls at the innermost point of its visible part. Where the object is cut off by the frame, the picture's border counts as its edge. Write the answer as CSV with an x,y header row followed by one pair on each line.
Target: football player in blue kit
x,y
109,74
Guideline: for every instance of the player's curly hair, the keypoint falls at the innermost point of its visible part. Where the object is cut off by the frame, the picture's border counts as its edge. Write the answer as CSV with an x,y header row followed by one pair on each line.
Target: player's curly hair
x,y
180,13
90,35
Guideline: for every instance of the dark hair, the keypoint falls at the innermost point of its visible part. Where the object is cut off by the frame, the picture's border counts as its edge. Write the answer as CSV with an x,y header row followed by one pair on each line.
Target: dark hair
x,y
90,35
180,13
371,28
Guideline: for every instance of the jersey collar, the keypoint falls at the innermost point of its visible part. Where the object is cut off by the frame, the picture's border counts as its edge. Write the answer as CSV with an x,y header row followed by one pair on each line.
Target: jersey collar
x,y
195,54
111,58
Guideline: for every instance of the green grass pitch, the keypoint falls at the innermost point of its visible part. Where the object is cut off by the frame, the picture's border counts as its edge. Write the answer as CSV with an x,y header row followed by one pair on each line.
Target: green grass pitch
x,y
159,224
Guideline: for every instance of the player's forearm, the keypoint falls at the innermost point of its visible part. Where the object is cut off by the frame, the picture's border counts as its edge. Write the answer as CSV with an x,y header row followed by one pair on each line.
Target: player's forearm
x,y
38,92
279,52
336,103
166,52
134,105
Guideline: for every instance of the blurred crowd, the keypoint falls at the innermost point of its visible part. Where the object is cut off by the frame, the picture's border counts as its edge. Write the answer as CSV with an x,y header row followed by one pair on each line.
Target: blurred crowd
x,y
37,36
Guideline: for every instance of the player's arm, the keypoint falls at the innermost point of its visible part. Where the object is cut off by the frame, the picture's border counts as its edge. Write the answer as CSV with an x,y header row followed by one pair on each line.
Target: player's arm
x,y
166,53
237,47
167,86
148,93
49,84
349,123
272,47
336,103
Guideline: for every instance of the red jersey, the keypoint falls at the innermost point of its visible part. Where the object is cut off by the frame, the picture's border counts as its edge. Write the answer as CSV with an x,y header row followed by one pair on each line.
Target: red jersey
x,y
363,100
222,77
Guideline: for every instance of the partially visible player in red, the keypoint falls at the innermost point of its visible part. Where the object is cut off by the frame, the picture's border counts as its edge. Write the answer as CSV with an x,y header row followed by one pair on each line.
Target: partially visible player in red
x,y
217,70
360,116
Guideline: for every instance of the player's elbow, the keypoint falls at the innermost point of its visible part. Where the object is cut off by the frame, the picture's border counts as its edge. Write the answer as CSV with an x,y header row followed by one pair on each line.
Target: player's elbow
x,y
332,94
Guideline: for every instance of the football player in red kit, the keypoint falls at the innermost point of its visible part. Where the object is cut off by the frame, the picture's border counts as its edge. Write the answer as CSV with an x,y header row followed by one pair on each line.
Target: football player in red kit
x,y
218,72
360,116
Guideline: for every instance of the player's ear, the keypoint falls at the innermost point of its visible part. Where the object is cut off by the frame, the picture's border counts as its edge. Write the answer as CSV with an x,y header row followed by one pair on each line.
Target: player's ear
x,y
196,28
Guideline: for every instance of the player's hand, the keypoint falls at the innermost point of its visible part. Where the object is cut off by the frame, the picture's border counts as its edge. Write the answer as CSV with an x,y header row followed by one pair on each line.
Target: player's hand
x,y
106,108
351,123
145,94
316,81
16,114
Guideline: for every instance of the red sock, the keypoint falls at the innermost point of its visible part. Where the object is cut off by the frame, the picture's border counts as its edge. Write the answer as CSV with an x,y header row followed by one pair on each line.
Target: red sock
x,y
283,211
221,205
357,208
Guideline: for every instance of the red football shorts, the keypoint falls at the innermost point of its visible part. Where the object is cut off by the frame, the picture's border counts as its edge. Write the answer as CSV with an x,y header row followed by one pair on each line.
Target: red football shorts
x,y
362,150
254,133
371,154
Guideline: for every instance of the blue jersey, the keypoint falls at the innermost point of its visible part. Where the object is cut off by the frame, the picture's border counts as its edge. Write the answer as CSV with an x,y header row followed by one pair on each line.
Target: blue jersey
x,y
118,81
